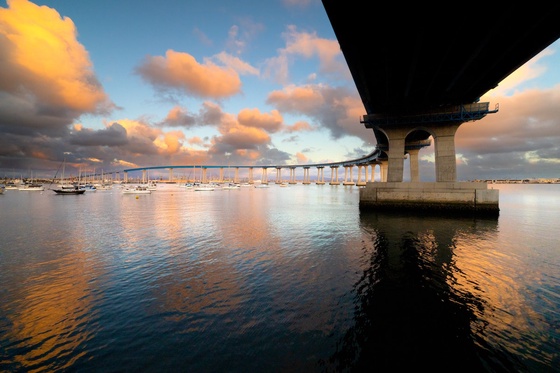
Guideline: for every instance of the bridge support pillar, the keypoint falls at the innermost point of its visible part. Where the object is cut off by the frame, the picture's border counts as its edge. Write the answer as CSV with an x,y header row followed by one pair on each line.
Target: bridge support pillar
x,y
204,179
250,175
445,194
383,167
446,167
396,154
320,177
414,170
293,175
347,175
334,175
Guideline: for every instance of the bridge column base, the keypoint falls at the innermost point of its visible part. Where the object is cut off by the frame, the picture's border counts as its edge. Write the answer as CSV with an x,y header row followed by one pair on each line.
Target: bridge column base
x,y
462,198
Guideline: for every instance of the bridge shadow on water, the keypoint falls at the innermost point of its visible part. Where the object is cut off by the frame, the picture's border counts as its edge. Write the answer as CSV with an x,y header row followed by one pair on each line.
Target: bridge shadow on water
x,y
410,314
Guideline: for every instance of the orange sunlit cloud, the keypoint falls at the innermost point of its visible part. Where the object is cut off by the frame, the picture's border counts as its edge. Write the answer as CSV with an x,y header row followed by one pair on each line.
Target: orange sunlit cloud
x,y
271,122
237,64
179,117
308,45
136,128
301,158
527,114
170,142
42,55
195,141
242,137
296,98
181,71
250,154
299,127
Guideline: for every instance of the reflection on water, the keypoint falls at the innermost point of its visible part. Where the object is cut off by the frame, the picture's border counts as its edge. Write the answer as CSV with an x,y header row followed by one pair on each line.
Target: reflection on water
x,y
417,303
50,317
275,280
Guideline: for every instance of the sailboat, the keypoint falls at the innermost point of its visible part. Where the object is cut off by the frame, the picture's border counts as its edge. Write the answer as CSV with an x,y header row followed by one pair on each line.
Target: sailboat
x,y
67,188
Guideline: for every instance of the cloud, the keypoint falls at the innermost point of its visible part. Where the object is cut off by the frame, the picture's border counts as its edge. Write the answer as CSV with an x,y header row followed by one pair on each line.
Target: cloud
x,y
271,122
336,109
235,63
240,36
181,72
210,114
242,137
44,64
178,117
521,140
299,126
47,81
202,37
114,135
301,158
306,45
531,70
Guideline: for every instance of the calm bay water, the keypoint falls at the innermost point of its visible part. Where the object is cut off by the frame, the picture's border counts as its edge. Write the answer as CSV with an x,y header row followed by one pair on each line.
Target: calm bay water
x,y
275,280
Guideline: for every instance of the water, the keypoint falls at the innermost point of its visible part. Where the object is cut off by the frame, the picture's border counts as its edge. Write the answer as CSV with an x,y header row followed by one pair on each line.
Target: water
x,y
275,280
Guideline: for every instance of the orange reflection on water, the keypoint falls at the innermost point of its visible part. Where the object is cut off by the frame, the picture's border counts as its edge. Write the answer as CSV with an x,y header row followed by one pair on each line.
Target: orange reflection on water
x,y
52,316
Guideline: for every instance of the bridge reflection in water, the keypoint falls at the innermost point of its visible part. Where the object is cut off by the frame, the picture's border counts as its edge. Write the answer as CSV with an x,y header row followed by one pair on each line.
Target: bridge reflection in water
x,y
422,300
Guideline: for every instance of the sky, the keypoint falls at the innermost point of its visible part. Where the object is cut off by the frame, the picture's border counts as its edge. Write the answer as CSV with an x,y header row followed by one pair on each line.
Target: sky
x,y
123,84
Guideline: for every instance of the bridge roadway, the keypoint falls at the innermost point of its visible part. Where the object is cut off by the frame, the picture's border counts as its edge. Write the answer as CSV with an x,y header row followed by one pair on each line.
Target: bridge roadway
x,y
370,160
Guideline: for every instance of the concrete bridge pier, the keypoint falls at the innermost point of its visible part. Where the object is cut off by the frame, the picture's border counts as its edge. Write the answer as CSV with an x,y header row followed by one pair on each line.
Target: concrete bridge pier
x,y
445,194
306,178
361,182
334,176
320,176
292,175
348,178
264,175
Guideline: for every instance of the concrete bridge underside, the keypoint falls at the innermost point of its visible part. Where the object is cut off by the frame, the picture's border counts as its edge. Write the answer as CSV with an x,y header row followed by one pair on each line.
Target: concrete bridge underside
x,y
411,79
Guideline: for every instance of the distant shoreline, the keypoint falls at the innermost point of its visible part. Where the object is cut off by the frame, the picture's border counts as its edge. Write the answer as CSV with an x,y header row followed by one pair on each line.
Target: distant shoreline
x,y
520,181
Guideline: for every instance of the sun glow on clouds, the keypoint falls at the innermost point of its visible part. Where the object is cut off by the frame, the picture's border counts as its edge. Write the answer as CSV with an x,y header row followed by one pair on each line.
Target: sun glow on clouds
x,y
530,70
296,99
166,143
301,158
42,58
181,71
271,122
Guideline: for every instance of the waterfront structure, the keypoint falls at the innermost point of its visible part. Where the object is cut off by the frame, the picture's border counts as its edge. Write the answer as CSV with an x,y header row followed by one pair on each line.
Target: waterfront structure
x,y
419,87
425,81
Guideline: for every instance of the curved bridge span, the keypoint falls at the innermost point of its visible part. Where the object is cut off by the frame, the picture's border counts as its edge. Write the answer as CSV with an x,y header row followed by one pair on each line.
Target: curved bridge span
x,y
246,172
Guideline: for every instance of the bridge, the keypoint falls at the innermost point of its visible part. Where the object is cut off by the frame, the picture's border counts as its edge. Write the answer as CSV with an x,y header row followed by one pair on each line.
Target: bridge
x,y
420,72
362,163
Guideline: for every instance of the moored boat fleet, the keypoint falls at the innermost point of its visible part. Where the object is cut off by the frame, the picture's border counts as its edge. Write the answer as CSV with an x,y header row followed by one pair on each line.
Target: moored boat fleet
x,y
64,187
